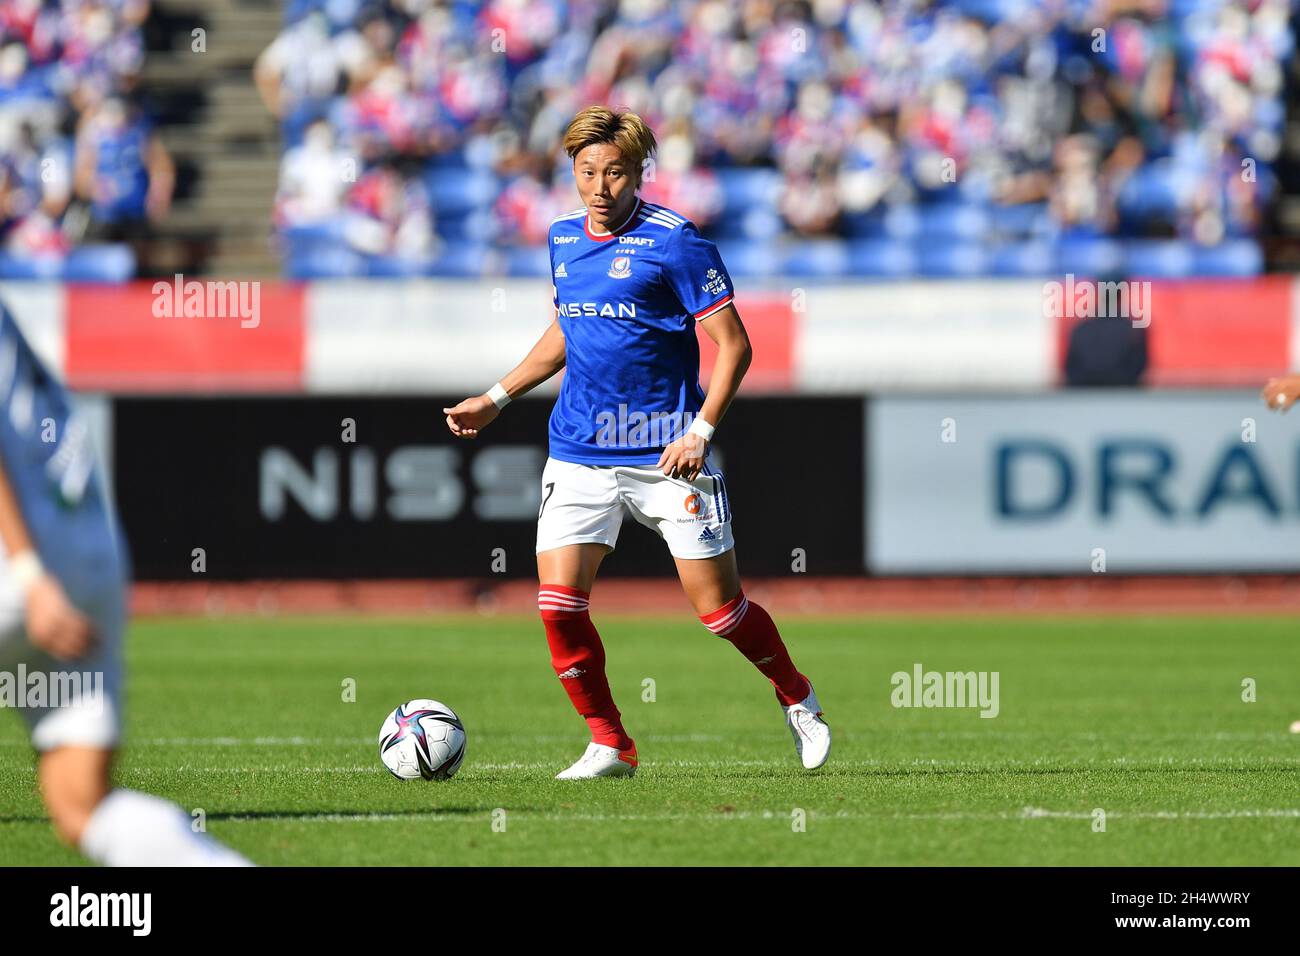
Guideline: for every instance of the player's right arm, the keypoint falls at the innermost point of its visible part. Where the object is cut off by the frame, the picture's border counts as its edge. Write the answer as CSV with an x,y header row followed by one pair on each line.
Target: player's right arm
x,y
53,624
468,418
1281,393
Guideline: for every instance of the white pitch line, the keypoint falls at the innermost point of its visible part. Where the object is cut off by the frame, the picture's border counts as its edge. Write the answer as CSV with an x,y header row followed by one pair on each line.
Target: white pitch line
x,y
279,768
369,741
1087,736
1263,737
1023,815
1037,813
1019,735
1027,813
722,764
379,770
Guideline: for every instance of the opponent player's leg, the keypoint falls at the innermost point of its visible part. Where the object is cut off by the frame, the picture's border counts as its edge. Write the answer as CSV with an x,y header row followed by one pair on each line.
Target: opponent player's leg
x,y
577,526
73,781
75,739
713,586
119,827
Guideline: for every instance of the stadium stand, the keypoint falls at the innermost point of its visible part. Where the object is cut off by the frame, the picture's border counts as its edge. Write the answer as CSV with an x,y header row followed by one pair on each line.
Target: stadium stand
x,y
82,173
132,141
837,138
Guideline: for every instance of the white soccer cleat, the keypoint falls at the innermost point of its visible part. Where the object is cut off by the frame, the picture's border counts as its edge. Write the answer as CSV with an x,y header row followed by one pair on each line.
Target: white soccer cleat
x,y
812,737
601,761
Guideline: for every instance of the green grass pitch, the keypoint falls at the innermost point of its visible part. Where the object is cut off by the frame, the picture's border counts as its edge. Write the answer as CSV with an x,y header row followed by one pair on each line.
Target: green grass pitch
x,y
1141,717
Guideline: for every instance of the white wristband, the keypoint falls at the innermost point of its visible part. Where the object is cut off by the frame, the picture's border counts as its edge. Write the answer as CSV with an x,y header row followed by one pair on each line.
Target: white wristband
x,y
702,428
26,569
500,397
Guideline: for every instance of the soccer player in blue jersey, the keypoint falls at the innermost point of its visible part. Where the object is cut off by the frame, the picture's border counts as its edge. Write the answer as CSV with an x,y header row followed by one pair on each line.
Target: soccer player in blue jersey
x,y
63,581
631,429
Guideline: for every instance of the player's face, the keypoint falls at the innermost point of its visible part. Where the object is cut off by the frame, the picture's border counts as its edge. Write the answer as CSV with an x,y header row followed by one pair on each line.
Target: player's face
x,y
607,184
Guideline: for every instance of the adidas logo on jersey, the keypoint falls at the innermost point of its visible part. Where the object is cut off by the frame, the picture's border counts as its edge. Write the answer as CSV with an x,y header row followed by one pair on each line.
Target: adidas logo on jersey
x,y
561,272
572,672
708,534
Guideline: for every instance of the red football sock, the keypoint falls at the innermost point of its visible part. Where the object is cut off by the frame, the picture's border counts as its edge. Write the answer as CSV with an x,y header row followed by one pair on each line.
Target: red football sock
x,y
579,661
750,628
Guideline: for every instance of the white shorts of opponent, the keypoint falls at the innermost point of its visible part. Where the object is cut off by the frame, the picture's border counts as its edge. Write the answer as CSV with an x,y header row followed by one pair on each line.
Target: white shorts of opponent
x,y
585,503
65,703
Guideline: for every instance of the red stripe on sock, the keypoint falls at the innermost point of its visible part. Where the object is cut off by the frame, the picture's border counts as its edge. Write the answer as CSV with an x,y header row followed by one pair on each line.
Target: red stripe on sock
x,y
578,657
720,618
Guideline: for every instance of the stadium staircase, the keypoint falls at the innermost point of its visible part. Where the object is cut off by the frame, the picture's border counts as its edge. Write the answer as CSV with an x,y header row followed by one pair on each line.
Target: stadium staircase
x,y
225,143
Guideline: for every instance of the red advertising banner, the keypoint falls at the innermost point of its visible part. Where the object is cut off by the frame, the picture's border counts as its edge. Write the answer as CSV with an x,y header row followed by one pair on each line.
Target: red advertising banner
x,y
185,335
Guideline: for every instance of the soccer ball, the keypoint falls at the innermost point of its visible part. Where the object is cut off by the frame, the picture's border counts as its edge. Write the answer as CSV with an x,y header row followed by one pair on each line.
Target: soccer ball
x,y
422,738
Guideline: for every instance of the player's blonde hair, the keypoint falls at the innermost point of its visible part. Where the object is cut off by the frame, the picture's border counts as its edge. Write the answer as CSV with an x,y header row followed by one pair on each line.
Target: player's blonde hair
x,y
623,129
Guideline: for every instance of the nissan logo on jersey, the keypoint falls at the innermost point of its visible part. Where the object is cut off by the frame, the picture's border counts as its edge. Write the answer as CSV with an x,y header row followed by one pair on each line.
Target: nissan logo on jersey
x,y
612,310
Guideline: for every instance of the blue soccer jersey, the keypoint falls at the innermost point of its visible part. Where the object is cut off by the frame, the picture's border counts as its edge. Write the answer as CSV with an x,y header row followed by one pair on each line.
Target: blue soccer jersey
x,y
50,463
628,303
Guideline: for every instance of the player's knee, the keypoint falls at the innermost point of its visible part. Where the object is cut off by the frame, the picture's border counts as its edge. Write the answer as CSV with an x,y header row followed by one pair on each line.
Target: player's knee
x,y
73,782
713,602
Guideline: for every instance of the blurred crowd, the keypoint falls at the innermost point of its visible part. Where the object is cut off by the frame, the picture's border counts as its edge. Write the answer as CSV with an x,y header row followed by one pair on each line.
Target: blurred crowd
x,y
414,128
81,170
1113,117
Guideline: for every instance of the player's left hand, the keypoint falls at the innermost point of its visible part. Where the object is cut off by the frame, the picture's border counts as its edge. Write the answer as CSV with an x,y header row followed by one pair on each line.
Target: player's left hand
x,y
684,458
1281,393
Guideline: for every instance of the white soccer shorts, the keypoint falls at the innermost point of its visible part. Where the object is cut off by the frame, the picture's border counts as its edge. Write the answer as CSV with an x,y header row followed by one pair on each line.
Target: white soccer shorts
x,y
65,703
585,503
